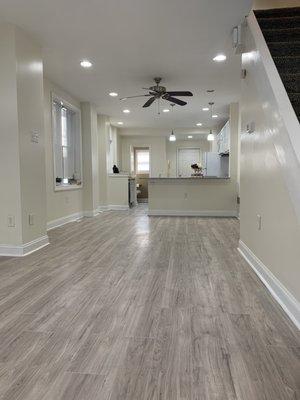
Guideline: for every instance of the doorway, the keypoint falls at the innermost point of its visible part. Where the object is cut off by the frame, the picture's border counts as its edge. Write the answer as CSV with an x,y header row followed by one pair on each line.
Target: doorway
x,y
185,158
142,171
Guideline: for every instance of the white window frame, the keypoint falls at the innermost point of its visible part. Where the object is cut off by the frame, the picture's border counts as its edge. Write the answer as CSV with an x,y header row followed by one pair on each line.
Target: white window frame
x,y
62,187
136,149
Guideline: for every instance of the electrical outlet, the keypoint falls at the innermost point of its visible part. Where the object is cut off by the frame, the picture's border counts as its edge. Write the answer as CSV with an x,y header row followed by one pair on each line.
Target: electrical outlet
x,y
11,223
31,219
35,137
259,222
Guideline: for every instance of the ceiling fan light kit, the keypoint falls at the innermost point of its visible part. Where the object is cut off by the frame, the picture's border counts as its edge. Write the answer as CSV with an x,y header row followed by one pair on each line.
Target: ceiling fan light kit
x,y
160,92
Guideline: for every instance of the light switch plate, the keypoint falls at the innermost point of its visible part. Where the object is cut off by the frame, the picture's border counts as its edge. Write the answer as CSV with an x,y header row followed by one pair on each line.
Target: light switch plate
x,y
31,219
11,223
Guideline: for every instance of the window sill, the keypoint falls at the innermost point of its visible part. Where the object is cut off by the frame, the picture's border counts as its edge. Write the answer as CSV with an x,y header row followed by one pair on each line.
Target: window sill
x,y
67,187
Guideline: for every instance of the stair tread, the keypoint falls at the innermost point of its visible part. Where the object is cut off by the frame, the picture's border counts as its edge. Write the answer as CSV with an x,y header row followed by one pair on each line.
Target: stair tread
x,y
279,22
284,49
290,35
286,11
281,30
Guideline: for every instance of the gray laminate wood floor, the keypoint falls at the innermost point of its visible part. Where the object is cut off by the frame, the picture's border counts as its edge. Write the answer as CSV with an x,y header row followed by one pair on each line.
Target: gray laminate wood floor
x,y
123,306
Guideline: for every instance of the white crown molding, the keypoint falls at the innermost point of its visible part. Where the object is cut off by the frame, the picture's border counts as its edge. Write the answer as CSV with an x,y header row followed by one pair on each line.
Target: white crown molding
x,y
191,213
23,249
284,298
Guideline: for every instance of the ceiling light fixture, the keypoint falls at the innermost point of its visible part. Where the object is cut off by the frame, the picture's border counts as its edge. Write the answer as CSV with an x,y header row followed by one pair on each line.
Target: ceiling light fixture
x,y
126,111
190,137
86,64
199,124
205,109
172,137
214,116
113,94
210,136
220,58
166,110
120,123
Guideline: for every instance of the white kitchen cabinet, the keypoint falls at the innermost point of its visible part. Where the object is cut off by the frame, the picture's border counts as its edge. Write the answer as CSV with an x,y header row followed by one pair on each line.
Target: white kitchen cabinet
x,y
223,139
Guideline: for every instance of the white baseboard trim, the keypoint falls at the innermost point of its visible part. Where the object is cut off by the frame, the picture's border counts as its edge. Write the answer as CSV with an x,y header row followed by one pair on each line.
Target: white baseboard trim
x,y
190,213
64,220
24,249
285,299
114,207
90,214
102,208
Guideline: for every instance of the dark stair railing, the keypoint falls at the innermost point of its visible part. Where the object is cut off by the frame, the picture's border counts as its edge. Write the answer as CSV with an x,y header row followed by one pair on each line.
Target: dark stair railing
x,y
281,30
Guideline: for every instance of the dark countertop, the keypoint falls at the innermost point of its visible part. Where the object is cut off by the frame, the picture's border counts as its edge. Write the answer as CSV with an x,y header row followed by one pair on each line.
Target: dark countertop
x,y
194,178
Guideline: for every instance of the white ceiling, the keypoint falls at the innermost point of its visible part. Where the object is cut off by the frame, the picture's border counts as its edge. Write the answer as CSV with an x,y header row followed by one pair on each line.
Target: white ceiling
x,y
132,41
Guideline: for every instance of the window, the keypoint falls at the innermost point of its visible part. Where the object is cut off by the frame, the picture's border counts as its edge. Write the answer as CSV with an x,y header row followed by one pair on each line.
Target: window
x,y
142,161
66,145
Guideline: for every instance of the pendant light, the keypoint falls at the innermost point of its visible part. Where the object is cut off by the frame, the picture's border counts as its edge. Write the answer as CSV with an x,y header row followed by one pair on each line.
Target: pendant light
x,y
172,137
210,136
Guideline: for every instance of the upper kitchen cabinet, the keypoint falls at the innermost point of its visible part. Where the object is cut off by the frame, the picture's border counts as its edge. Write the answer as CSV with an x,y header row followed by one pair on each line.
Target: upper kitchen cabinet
x,y
223,139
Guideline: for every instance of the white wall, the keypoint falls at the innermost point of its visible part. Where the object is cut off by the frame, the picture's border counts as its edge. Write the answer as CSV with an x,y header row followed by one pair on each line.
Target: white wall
x,y
30,119
267,166
157,145
9,148
90,158
63,203
22,175
103,157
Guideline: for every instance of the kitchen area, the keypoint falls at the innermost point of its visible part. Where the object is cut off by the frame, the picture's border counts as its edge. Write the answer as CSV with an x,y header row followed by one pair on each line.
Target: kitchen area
x,y
194,175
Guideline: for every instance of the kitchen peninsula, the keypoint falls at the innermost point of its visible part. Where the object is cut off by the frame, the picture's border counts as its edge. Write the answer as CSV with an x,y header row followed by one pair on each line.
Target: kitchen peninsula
x,y
195,196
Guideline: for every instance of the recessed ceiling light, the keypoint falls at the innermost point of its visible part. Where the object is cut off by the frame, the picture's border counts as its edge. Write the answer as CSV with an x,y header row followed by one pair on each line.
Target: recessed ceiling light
x,y
126,111
205,109
210,90
86,64
214,116
190,137
166,110
199,124
120,123
220,58
113,94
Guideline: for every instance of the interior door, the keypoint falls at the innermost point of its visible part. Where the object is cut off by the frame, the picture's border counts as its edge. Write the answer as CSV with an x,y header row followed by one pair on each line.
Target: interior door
x,y
185,158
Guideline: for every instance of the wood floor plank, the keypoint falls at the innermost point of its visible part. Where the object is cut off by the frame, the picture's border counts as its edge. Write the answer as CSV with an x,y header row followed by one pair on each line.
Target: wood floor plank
x,y
127,307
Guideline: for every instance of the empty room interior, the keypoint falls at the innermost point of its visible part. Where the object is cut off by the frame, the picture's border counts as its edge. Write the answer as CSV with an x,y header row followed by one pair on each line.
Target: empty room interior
x,y
150,200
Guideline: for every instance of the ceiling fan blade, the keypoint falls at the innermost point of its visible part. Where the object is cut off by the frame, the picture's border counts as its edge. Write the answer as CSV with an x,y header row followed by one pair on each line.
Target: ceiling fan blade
x,y
180,93
174,100
149,102
132,97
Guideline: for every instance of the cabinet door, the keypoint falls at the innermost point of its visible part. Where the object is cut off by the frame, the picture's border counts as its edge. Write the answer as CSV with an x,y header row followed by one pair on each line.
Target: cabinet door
x,y
226,138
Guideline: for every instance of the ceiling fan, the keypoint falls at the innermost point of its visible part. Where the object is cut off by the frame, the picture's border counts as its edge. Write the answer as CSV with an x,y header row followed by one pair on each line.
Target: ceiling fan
x,y
160,92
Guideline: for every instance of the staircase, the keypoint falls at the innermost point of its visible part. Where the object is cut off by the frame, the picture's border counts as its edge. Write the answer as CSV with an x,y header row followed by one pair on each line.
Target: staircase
x,y
281,30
